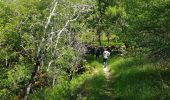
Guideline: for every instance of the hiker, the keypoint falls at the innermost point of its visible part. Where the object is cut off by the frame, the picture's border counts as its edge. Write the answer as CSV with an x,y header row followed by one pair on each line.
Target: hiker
x,y
97,53
106,54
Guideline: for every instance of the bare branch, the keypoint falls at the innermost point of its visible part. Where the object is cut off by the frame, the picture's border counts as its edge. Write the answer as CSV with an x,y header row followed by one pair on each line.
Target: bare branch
x,y
51,14
58,35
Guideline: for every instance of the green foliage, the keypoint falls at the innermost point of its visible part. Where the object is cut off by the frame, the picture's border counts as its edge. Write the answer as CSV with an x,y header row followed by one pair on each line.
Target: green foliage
x,y
139,24
26,43
16,75
107,18
147,25
66,90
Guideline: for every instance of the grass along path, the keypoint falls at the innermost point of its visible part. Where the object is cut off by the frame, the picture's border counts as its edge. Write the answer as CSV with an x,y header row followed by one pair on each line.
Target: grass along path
x,y
130,78
127,78
137,78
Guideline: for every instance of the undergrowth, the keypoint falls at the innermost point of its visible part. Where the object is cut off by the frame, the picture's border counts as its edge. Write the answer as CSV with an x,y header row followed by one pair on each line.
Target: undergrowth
x,y
132,78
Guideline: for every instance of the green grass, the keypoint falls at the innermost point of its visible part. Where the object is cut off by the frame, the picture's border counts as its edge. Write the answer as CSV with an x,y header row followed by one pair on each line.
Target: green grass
x,y
72,90
132,78
96,88
139,79
64,90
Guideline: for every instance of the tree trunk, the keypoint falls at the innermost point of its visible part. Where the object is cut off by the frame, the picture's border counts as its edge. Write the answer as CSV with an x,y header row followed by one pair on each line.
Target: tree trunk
x,y
54,79
108,39
99,37
32,79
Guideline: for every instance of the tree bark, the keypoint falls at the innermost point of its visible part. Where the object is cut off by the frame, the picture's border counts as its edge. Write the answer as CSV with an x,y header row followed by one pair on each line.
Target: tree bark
x,y
108,40
32,79
99,37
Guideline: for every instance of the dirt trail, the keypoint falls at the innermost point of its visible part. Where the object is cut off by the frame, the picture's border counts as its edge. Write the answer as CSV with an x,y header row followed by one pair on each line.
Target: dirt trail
x,y
108,88
107,73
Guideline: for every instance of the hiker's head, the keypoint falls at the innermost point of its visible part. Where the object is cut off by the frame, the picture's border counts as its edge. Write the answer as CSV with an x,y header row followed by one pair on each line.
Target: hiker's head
x,y
105,49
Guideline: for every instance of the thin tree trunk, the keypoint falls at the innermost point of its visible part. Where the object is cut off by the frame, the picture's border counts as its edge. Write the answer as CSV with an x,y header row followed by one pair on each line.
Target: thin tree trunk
x,y
32,79
99,37
54,79
108,40
108,37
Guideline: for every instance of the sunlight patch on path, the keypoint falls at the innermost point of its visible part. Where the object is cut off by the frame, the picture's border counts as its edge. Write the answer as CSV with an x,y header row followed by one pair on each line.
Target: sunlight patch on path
x,y
106,73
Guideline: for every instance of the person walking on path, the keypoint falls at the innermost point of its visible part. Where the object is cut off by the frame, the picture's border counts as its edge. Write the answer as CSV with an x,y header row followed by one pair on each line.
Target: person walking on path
x,y
106,55
97,53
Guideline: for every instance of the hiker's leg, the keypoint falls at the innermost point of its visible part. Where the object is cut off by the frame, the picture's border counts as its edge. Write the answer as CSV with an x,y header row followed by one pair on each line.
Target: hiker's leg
x,y
104,64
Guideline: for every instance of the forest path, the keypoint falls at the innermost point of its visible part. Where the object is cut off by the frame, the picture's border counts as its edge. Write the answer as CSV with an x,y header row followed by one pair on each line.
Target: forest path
x,y
99,87
108,90
107,73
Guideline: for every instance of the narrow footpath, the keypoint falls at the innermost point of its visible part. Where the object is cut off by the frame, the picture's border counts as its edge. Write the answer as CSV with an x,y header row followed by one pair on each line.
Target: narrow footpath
x,y
100,86
108,89
106,73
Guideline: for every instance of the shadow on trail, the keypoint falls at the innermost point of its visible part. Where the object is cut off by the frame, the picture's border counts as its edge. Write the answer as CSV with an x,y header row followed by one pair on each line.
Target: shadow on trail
x,y
97,88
